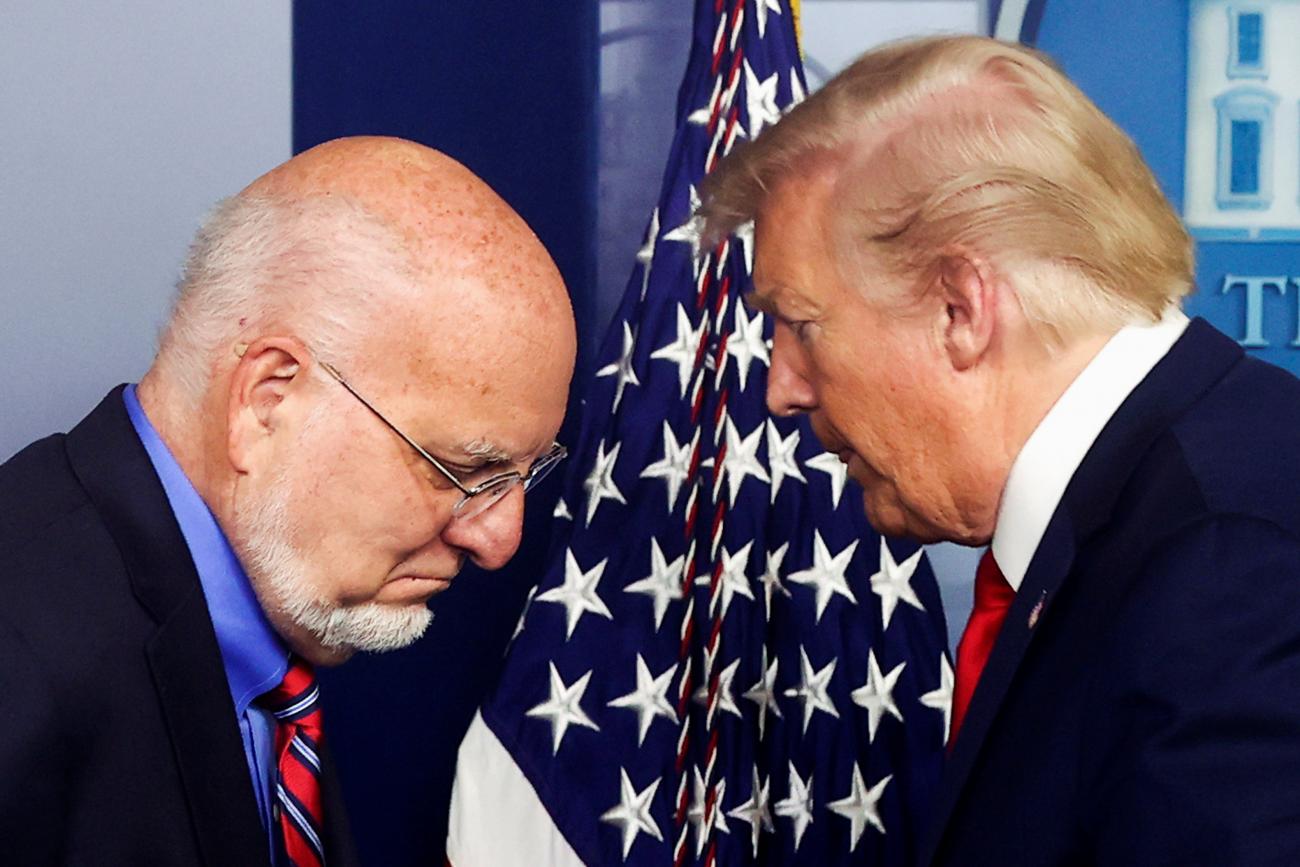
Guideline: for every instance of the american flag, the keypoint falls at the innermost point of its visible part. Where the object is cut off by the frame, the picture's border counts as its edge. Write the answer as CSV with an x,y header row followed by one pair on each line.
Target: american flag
x,y
722,663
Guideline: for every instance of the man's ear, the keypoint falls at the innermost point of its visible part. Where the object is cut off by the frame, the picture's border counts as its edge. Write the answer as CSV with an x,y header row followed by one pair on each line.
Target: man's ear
x,y
269,370
968,293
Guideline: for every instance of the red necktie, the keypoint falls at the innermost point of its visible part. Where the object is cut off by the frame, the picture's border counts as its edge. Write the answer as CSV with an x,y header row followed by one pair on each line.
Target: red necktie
x,y
297,745
993,597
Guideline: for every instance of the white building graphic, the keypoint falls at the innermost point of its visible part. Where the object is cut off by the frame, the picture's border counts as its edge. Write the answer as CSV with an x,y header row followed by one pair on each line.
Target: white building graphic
x,y
1243,120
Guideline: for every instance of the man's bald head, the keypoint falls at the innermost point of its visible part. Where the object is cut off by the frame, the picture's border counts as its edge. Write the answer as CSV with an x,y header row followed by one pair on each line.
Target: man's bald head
x,y
352,238
443,216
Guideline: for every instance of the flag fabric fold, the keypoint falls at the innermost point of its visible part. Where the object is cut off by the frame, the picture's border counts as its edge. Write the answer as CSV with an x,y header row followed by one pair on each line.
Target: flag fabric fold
x,y
722,663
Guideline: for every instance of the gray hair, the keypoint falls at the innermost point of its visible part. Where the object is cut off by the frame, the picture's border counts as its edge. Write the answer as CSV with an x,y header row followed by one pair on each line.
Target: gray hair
x,y
312,266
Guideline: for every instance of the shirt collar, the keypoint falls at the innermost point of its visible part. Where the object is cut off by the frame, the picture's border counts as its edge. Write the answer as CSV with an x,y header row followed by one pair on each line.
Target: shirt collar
x,y
1062,439
254,657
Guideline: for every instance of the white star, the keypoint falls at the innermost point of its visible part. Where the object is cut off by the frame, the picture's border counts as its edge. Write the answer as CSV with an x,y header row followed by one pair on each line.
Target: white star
x,y
745,234
649,699
741,459
771,579
699,803
623,367
701,115
763,693
798,805
663,584
578,593
562,510
781,459
941,699
760,100
690,231
762,7
726,695
877,694
745,343
859,807
894,582
813,690
675,466
646,254
599,484
832,466
632,812
755,811
564,707
684,348
826,575
732,580
797,94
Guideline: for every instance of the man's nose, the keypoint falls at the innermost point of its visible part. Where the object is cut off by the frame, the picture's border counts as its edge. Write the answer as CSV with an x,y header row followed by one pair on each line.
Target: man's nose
x,y
491,538
788,389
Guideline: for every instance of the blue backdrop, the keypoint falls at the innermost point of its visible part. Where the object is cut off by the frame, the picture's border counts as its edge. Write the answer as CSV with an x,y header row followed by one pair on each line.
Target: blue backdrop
x,y
1135,66
509,90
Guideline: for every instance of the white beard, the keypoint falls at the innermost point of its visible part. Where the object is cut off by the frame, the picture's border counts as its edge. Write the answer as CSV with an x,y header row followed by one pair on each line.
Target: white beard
x,y
283,584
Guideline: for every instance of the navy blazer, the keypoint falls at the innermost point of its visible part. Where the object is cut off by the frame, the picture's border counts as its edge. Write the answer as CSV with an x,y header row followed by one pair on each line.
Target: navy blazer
x,y
1142,702
118,738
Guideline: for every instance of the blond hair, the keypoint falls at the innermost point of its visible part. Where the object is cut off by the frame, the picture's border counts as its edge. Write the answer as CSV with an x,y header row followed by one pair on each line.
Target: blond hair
x,y
967,143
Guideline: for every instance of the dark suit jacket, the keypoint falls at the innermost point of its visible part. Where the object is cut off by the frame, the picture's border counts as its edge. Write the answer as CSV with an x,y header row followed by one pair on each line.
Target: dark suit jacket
x,y
1142,702
118,738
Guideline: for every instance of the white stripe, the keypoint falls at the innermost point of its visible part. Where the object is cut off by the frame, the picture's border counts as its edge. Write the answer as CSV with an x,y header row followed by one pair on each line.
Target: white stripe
x,y
300,704
490,785
300,821
306,752
1011,19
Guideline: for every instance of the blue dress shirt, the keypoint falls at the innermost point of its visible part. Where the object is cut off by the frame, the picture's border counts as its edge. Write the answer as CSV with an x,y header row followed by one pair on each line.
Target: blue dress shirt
x,y
254,657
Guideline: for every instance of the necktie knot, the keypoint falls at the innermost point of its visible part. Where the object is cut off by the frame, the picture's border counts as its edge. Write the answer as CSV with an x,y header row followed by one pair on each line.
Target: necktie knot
x,y
992,592
297,698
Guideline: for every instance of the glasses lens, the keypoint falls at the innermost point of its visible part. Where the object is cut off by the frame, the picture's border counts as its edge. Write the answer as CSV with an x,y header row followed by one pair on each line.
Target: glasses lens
x,y
482,500
543,466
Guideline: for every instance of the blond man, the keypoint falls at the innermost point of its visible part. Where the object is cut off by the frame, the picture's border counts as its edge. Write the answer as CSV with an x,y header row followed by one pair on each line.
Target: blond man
x,y
976,283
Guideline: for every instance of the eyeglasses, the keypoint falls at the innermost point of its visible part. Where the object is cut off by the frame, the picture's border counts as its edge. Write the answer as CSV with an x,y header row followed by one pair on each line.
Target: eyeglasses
x,y
480,497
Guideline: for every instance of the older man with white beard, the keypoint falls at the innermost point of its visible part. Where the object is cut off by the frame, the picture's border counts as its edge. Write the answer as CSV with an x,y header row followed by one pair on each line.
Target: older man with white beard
x,y
364,371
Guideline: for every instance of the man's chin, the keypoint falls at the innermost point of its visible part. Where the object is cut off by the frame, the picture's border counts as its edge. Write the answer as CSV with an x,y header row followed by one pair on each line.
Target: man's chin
x,y
329,636
888,518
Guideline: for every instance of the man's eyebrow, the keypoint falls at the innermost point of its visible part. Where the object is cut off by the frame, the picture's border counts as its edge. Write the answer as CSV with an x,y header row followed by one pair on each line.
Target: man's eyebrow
x,y
486,451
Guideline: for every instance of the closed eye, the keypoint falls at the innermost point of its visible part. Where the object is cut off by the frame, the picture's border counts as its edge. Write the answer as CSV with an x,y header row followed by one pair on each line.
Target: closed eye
x,y
483,471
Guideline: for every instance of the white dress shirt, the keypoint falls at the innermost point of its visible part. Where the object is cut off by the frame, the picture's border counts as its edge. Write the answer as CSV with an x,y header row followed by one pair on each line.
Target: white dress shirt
x,y
1058,445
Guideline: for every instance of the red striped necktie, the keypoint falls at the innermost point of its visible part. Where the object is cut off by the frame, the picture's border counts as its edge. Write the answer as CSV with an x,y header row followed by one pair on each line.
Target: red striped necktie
x,y
297,744
993,598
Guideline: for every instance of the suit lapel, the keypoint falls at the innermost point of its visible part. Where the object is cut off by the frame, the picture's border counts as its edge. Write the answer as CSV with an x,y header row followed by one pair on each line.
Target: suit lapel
x,y
1048,570
1199,359
196,703
183,656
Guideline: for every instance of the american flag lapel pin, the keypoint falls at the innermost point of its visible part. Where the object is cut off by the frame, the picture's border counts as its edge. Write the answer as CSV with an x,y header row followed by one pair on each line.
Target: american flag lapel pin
x,y
1037,610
